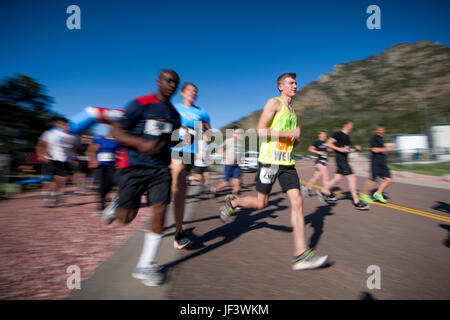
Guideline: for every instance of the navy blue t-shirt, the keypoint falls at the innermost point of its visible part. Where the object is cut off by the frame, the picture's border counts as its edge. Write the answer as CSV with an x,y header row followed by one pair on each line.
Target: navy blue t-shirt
x,y
149,118
321,146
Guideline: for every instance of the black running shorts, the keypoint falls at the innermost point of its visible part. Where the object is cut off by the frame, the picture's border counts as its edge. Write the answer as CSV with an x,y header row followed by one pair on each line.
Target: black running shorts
x,y
380,170
134,181
343,168
200,170
267,175
61,169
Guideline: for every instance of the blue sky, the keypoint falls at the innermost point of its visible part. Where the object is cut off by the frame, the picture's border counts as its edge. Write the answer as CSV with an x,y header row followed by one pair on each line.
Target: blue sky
x,y
233,50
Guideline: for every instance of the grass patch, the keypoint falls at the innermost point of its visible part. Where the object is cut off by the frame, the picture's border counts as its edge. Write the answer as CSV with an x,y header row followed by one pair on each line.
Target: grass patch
x,y
434,169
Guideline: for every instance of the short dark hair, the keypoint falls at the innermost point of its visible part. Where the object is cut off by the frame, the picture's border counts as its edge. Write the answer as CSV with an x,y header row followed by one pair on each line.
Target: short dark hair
x,y
188,84
167,71
61,119
380,125
320,131
284,76
345,122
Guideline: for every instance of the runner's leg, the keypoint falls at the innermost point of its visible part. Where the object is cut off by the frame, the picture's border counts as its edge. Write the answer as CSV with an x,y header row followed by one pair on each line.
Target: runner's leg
x,y
297,221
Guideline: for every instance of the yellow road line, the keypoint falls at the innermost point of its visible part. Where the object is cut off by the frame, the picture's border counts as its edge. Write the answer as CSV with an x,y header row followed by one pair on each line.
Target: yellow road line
x,y
391,205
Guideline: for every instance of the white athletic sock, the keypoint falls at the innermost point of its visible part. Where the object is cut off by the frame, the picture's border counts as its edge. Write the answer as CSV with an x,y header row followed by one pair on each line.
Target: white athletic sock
x,y
151,245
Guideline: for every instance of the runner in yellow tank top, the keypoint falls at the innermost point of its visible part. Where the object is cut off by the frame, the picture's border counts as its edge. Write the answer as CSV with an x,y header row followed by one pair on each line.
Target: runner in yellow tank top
x,y
278,129
279,151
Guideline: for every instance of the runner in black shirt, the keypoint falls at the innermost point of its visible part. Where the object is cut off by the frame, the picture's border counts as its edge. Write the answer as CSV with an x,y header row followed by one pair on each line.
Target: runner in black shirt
x,y
321,149
341,144
378,167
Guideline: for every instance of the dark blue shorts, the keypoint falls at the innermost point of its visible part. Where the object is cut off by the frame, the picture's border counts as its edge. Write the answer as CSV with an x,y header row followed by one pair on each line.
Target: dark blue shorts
x,y
231,172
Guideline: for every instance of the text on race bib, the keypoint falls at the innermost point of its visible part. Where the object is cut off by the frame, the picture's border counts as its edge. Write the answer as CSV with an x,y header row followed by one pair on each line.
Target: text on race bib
x,y
268,175
156,127
106,156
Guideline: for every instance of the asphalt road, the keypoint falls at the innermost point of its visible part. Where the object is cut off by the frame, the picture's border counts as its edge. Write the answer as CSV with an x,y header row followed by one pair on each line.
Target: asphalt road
x,y
249,257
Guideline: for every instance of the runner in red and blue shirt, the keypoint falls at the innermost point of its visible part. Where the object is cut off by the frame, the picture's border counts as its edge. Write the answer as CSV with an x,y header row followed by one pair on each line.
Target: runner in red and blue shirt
x,y
145,133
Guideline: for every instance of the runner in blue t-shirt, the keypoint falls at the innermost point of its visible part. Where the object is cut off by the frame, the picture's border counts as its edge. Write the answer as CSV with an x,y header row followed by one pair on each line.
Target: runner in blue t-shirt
x,y
195,120
102,157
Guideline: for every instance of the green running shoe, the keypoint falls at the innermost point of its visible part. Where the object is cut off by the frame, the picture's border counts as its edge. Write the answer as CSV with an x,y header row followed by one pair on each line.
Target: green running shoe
x,y
227,210
379,197
310,260
366,198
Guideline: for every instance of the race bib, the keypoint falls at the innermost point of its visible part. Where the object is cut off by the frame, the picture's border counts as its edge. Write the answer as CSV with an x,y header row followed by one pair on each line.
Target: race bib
x,y
186,130
268,175
156,127
106,157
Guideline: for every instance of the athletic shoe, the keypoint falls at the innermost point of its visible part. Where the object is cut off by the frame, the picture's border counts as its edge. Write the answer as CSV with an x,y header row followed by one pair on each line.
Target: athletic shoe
x,y
109,214
361,206
227,210
321,196
155,276
305,191
181,241
311,260
212,193
150,276
332,197
49,203
379,197
366,198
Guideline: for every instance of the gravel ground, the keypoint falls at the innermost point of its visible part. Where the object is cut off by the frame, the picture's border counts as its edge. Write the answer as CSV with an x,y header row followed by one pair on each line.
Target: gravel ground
x,y
39,244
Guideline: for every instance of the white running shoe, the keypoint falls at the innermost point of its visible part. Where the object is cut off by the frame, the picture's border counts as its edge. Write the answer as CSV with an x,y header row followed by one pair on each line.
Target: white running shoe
x,y
109,214
311,261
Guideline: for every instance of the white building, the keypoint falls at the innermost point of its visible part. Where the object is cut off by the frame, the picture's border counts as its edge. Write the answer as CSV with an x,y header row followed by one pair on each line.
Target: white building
x,y
407,145
439,137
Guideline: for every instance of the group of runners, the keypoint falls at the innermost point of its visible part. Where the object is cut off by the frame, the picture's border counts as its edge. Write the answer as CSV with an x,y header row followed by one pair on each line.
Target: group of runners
x,y
340,143
150,162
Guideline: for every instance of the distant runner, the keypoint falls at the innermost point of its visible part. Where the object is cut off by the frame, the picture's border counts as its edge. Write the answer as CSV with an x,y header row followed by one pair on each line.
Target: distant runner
x,y
102,157
320,148
341,144
56,146
194,121
378,167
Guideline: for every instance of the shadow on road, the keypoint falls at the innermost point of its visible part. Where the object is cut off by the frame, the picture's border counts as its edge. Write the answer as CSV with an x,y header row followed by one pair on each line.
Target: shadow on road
x,y
246,222
243,223
316,219
442,206
366,296
446,227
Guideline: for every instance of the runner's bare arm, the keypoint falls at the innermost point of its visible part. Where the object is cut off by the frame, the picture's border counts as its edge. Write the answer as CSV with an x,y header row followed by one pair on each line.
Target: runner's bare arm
x,y
206,126
380,150
330,143
313,149
144,146
41,150
270,109
91,152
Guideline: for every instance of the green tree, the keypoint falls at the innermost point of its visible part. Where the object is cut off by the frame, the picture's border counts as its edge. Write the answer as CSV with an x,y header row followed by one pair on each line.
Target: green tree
x,y
25,112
